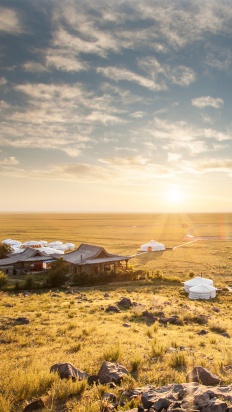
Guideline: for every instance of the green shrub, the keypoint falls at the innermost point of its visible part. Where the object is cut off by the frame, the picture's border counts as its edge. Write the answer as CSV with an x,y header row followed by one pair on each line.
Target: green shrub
x,y
3,279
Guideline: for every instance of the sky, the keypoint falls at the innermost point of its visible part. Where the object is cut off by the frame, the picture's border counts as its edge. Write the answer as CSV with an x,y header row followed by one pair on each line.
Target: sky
x,y
116,106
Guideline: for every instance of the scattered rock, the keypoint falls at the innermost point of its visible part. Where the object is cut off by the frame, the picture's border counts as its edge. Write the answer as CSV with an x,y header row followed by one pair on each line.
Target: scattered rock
x,y
67,371
225,334
106,295
203,332
34,406
125,302
22,321
203,376
111,397
112,372
149,316
93,379
113,308
126,325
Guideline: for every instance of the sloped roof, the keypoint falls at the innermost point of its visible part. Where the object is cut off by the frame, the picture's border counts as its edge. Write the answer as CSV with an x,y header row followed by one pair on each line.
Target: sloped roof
x,y
87,254
202,288
27,254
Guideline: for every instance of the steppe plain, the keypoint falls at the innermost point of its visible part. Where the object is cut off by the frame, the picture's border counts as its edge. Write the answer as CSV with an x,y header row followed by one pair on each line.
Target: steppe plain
x,y
74,327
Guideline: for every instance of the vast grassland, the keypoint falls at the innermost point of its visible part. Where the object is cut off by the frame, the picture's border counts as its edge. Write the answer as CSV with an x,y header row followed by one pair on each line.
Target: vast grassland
x,y
74,327
124,234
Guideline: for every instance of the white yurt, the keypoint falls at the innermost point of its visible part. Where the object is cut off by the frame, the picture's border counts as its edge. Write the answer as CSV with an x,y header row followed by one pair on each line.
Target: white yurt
x,y
202,291
152,246
12,242
69,246
16,249
31,243
198,280
55,243
43,242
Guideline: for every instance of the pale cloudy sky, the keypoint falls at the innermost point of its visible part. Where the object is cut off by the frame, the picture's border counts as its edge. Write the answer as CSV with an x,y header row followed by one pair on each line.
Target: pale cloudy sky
x,y
113,106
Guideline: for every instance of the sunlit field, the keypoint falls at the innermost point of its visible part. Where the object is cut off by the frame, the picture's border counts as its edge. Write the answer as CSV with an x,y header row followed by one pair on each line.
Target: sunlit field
x,y
124,233
73,326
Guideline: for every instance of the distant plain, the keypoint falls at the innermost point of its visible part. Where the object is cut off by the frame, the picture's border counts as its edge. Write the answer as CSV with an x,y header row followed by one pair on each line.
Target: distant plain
x,y
124,233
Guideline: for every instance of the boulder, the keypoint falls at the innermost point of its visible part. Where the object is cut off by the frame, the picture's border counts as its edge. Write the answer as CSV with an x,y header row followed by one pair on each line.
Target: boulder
x,y
203,376
112,308
22,321
111,372
34,406
202,332
69,371
125,302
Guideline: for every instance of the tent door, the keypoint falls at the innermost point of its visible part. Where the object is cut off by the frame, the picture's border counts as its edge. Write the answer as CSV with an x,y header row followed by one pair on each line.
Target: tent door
x,y
149,249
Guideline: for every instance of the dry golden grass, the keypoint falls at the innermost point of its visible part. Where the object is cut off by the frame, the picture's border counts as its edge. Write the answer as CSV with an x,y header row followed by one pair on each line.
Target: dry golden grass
x,y
67,328
124,233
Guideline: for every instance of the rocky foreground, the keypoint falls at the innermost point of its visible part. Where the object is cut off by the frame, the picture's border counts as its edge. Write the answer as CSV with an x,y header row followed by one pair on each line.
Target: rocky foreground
x,y
201,392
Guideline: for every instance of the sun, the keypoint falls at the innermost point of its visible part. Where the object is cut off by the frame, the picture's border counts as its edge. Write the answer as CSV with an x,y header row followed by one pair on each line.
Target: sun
x,y
175,195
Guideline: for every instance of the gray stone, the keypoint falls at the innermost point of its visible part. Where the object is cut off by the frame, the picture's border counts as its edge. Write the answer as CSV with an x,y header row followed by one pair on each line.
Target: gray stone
x,y
125,302
160,404
111,397
203,376
203,332
69,371
112,372
22,321
34,406
113,308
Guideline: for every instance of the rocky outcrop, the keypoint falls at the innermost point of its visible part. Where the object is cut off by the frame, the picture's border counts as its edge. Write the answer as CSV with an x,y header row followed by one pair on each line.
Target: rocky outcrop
x,y
191,397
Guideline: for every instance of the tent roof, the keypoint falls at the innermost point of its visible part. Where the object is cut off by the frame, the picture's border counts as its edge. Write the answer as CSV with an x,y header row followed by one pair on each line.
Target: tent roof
x,y
152,243
198,280
202,288
85,252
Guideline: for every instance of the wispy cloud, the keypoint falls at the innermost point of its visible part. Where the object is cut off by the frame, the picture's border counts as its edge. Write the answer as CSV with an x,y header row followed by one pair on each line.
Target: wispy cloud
x,y
123,73
9,161
207,101
179,75
10,21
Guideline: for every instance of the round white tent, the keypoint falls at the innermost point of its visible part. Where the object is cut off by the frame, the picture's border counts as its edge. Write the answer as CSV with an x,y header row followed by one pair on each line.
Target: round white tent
x,y
69,246
55,243
11,242
202,291
43,242
152,246
32,243
196,281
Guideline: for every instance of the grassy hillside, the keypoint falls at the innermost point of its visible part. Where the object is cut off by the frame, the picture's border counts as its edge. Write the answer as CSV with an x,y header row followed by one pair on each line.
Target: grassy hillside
x,y
75,328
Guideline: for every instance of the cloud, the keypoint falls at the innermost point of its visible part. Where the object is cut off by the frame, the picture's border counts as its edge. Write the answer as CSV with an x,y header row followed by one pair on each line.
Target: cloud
x,y
123,73
207,101
211,166
179,75
3,81
34,67
9,161
138,115
181,131
174,157
65,61
9,21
